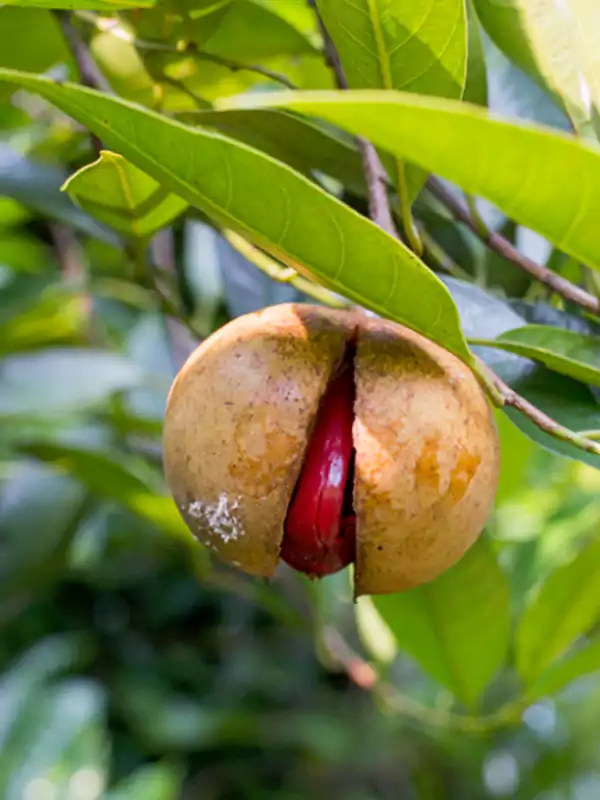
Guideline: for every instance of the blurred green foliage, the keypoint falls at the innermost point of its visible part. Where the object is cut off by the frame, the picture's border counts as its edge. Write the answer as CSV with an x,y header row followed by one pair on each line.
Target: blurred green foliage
x,y
132,666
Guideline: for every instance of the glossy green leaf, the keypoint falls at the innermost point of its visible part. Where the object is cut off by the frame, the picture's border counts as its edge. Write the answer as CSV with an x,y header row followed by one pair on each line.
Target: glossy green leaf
x,y
391,44
566,606
115,480
557,676
457,626
558,44
545,180
567,352
272,205
122,196
302,143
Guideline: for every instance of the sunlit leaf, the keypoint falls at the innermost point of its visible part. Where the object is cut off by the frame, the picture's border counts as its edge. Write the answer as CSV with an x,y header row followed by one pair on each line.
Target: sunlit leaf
x,y
275,207
391,44
558,43
457,626
122,196
461,142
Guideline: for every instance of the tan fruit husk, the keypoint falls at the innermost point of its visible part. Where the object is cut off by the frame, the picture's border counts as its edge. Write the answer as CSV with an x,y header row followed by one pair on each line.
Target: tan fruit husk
x,y
238,422
241,413
427,459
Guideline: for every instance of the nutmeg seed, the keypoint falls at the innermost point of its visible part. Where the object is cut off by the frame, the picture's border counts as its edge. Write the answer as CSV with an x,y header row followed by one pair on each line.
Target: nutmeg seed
x,y
238,438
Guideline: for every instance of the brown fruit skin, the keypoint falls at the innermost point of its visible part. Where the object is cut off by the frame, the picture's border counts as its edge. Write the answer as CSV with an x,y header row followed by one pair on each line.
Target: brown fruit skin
x,y
427,459
241,412
237,424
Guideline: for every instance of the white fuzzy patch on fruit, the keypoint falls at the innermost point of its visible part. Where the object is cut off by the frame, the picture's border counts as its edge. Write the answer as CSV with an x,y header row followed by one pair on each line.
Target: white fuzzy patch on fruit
x,y
220,517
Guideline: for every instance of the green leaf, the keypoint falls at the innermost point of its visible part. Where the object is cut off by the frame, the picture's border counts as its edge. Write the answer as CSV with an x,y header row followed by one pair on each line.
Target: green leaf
x,y
569,402
61,379
122,196
115,480
272,35
545,180
273,206
566,352
391,44
558,675
302,143
566,606
457,626
150,782
476,84
30,39
558,44
87,5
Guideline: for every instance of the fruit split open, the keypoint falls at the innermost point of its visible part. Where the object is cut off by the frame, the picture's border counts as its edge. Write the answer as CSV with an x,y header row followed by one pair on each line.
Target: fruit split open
x,y
320,528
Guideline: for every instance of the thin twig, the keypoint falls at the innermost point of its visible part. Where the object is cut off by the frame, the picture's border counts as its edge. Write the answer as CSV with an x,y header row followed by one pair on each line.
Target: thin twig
x,y
508,397
89,73
282,274
112,27
363,675
496,242
376,179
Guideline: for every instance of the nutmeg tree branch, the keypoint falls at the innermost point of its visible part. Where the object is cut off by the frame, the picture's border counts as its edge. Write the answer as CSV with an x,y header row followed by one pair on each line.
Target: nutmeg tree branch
x,y
111,26
500,245
89,73
363,675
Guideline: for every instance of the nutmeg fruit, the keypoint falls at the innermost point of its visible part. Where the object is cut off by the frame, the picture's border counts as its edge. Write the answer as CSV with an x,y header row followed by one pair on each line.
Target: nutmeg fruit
x,y
325,437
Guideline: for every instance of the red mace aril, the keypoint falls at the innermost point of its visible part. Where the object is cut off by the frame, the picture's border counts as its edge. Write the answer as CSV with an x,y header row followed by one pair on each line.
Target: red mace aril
x,y
319,536
324,438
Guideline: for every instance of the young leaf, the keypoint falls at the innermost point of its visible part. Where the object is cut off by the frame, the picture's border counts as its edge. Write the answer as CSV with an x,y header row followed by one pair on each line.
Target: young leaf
x,y
457,626
547,181
391,44
122,196
566,606
558,44
273,206
566,352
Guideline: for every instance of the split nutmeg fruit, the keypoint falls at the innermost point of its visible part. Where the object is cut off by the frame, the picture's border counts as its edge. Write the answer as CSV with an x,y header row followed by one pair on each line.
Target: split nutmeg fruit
x,y
327,437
